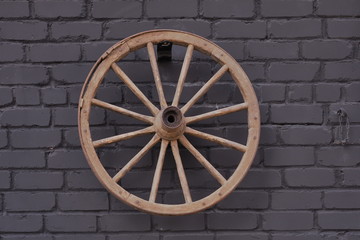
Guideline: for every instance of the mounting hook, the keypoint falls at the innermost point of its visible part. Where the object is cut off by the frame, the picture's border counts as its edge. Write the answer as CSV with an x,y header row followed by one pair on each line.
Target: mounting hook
x,y
164,50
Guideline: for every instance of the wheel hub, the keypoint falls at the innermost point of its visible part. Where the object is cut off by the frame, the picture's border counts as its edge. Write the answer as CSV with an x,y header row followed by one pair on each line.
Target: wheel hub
x,y
169,123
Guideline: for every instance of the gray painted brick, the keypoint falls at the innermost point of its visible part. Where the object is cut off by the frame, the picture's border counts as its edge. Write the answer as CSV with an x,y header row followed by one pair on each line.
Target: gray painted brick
x,y
76,31
22,159
309,177
217,156
123,155
272,50
302,28
245,200
21,223
219,93
300,93
343,199
55,9
138,77
79,237
25,201
325,92
293,71
171,8
54,96
289,156
190,236
14,9
339,156
240,29
352,92
82,180
179,223
116,9
70,223
121,29
54,52
23,74
338,8
27,96
11,52
143,179
5,96
353,236
33,237
286,8
70,159
239,235
125,222
326,49
300,200
93,50
351,177
343,28
354,134
82,201
38,180
309,135
342,70
112,94
332,220
72,137
3,139
70,73
235,48
268,135
5,179
200,27
288,221
44,138
228,9
296,113
301,236
255,71
232,221
200,179
29,31
25,117
261,179
135,236
68,116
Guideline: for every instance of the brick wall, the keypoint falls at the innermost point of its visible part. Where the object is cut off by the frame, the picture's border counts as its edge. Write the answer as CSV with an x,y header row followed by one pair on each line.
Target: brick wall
x,y
303,59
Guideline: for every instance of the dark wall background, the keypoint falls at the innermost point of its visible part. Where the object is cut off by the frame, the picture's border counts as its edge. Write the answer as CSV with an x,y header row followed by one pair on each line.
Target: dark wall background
x,y
303,59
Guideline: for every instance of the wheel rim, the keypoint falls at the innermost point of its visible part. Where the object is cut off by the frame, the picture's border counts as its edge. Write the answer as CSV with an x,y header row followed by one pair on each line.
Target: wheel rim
x,y
168,123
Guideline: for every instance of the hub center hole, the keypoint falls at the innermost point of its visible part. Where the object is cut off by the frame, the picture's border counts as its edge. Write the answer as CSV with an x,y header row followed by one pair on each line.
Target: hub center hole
x,y
171,118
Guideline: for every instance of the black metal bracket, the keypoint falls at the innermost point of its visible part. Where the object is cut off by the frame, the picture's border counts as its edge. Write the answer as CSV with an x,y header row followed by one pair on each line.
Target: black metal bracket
x,y
164,51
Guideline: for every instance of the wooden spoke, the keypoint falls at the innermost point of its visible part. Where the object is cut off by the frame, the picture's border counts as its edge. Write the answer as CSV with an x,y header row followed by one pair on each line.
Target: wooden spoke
x,y
203,161
216,113
121,137
120,73
159,167
136,158
156,73
219,140
183,73
205,88
124,111
181,172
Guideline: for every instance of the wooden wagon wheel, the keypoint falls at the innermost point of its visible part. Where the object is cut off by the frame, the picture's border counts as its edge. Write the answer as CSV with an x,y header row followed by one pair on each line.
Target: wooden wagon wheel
x,y
168,123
